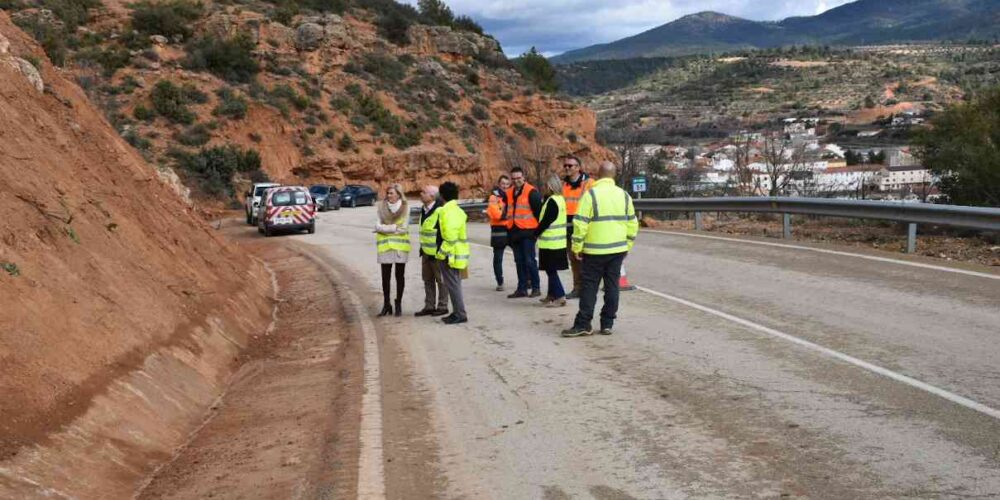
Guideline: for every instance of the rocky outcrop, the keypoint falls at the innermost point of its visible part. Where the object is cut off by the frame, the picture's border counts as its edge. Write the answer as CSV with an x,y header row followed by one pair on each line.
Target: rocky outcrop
x,y
442,39
309,36
22,66
318,31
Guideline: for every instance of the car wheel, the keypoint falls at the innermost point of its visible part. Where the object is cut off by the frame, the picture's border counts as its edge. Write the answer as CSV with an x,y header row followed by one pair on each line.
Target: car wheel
x,y
312,228
267,231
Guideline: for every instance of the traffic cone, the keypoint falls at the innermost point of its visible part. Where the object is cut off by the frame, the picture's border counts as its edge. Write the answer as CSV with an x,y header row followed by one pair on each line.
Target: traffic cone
x,y
623,283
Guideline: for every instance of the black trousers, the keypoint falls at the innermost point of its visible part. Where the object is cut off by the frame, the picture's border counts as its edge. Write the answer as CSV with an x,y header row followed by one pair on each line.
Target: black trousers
x,y
597,268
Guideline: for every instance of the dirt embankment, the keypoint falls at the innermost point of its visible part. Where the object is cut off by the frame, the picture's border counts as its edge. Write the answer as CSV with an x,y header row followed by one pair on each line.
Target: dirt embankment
x,y
123,315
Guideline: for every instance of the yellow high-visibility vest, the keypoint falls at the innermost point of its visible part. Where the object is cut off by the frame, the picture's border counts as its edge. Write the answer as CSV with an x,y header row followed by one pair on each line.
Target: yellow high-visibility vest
x,y
605,222
390,242
554,237
428,233
455,244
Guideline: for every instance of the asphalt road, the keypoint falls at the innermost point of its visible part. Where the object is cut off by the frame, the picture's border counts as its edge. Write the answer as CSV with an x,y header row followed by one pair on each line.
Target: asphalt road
x,y
738,370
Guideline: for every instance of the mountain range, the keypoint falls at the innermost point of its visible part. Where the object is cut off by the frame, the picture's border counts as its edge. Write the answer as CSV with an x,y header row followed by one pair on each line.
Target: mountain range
x,y
857,23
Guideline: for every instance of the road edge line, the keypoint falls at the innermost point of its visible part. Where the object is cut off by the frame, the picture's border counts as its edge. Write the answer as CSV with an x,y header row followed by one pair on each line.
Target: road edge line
x,y
830,252
371,468
885,372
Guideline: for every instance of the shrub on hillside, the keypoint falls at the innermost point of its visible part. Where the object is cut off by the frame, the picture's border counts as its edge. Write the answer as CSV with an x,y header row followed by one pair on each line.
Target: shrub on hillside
x,y
110,59
345,143
369,106
231,104
466,23
195,135
537,69
436,11
230,59
170,102
173,17
383,66
213,168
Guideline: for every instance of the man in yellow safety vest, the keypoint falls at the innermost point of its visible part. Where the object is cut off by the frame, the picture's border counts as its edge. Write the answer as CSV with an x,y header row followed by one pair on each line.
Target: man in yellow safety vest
x,y
430,240
604,231
453,254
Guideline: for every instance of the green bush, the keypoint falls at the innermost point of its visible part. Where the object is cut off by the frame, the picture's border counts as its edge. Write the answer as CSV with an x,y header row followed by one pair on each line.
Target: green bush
x,y
73,13
286,93
110,59
171,102
383,66
537,69
213,168
143,113
173,17
369,106
231,105
526,131
395,28
480,113
345,143
230,59
466,23
436,11
196,135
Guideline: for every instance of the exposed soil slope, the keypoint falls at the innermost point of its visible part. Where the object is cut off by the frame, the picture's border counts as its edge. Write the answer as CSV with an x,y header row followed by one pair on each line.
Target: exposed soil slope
x,y
121,311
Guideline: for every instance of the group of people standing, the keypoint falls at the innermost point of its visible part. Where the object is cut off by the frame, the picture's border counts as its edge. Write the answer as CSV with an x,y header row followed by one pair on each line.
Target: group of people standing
x,y
574,222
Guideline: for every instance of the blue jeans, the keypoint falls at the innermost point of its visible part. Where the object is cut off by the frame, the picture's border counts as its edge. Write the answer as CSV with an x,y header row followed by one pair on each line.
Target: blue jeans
x,y
498,264
556,290
527,265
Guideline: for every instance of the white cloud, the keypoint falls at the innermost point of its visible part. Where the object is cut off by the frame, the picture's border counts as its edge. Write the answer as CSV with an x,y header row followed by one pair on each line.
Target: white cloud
x,y
555,26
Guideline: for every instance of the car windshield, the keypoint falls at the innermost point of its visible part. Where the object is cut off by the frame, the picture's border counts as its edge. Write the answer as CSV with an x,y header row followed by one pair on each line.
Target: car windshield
x,y
289,198
319,190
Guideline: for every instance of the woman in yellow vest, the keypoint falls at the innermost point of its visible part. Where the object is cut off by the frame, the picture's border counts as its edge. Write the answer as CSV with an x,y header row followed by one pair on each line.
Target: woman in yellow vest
x,y
393,240
551,234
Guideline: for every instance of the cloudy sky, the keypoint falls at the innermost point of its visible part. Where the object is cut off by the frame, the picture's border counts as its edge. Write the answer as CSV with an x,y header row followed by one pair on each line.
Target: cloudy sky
x,y
555,26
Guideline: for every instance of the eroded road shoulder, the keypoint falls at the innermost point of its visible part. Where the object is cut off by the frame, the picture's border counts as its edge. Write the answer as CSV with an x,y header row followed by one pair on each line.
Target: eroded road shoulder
x,y
288,425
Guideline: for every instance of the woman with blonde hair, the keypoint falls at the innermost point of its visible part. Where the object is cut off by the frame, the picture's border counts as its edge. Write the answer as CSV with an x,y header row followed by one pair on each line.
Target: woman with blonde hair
x,y
551,234
393,241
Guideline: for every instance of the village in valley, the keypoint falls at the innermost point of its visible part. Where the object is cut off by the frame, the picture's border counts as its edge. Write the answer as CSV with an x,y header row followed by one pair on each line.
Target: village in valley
x,y
796,160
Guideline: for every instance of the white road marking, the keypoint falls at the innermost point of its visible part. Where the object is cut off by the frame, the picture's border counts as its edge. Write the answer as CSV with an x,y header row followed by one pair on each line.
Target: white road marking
x,y
831,252
912,382
371,470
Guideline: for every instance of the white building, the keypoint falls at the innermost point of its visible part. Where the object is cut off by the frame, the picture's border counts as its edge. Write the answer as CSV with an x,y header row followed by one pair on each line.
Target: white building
x,y
898,178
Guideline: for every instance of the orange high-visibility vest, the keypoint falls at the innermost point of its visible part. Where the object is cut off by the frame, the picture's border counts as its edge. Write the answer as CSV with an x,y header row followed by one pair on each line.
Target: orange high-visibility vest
x,y
495,211
521,216
572,196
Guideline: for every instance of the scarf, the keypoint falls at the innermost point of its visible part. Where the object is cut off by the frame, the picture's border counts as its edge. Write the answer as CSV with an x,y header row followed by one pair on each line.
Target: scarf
x,y
392,213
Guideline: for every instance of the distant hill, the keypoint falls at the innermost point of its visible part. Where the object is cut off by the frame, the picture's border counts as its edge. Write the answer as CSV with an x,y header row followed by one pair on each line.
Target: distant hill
x,y
860,22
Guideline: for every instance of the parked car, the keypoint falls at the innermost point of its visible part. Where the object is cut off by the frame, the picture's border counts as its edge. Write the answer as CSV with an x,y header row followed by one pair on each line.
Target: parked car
x,y
286,208
325,196
355,195
252,200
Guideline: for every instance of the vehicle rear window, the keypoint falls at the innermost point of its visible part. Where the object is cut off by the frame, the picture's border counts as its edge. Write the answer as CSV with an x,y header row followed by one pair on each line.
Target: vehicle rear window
x,y
289,198
319,190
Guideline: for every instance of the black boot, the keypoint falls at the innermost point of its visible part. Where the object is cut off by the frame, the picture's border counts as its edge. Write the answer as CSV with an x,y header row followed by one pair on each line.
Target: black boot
x,y
399,307
386,310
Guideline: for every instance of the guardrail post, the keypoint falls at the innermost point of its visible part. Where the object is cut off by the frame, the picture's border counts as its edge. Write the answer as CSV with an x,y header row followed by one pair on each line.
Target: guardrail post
x,y
786,226
911,237
697,222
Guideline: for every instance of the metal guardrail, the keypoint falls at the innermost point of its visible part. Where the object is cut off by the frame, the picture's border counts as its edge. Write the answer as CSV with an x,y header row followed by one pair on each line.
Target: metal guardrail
x,y
982,218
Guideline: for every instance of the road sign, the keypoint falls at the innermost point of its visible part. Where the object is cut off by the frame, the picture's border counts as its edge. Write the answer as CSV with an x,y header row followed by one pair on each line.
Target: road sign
x,y
639,184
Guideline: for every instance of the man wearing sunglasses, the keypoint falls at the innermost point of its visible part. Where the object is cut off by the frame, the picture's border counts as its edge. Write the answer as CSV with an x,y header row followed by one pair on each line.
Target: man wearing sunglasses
x,y
575,183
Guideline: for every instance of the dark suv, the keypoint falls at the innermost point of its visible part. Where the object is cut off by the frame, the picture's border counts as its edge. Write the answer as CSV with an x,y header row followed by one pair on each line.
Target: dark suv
x,y
325,196
355,195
